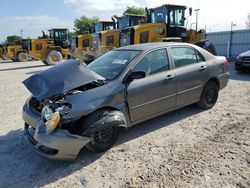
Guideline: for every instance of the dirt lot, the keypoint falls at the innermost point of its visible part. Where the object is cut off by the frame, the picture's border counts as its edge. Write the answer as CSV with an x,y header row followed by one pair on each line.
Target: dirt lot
x,y
186,148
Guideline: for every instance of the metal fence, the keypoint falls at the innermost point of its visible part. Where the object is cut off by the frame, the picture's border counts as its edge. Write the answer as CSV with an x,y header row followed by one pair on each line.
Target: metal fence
x,y
230,43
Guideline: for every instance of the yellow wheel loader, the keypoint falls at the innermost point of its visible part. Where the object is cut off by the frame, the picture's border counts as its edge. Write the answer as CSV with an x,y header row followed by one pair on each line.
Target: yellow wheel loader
x,y
51,50
104,39
164,23
79,44
14,52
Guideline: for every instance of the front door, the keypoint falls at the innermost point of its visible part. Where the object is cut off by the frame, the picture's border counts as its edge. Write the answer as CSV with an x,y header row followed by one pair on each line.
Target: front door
x,y
155,93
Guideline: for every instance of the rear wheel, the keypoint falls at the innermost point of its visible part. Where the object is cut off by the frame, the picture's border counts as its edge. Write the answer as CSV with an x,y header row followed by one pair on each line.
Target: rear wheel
x,y
209,95
22,56
53,57
104,129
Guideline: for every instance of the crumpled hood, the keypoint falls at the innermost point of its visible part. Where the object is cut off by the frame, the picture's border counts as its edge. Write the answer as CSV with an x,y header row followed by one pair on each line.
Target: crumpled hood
x,y
60,79
247,53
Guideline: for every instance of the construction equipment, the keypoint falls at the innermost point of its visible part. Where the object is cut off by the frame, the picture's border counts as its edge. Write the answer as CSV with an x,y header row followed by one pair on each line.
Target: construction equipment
x,y
53,49
164,23
50,50
14,51
108,39
81,44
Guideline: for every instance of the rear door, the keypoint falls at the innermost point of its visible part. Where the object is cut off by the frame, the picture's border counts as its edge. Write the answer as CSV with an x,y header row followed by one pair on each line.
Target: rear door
x,y
191,74
155,93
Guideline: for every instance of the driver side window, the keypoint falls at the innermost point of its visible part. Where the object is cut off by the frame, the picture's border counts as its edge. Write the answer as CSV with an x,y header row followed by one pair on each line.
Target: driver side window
x,y
153,62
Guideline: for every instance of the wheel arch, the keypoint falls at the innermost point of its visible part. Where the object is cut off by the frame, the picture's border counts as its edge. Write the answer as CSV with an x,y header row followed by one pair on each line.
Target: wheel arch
x,y
216,80
103,108
56,48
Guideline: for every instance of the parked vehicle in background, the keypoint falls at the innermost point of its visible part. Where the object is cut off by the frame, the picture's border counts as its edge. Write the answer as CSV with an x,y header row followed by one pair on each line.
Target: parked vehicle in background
x,y
74,105
50,50
242,62
165,23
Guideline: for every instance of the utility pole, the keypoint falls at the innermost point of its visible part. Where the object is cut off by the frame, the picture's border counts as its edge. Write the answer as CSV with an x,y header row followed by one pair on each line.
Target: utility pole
x,y
197,10
21,31
230,40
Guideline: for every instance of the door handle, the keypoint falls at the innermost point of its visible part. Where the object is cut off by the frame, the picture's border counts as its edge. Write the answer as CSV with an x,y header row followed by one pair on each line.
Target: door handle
x,y
170,77
203,67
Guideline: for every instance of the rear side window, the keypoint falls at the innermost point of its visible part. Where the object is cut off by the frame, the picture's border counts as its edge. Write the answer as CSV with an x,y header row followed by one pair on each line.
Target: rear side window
x,y
185,56
153,62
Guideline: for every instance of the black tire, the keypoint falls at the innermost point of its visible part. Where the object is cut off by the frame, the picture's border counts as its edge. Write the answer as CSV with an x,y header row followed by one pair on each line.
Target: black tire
x,y
209,95
104,127
53,57
45,62
22,57
238,69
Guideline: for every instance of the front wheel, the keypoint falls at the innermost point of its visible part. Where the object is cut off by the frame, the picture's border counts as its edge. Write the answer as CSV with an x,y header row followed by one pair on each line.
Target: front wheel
x,y
209,95
22,57
105,128
53,57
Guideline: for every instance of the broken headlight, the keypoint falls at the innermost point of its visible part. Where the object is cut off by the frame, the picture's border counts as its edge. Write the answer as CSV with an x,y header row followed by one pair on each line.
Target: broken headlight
x,y
51,117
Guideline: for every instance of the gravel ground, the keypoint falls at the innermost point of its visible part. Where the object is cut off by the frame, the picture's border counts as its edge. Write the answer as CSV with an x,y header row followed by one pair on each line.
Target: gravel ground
x,y
189,147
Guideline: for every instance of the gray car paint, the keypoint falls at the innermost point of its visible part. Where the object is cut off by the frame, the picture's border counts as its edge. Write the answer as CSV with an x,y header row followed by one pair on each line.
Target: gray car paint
x,y
139,100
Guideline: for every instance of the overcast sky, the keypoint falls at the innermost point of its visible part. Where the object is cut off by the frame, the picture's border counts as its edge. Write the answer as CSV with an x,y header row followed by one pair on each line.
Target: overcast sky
x,y
34,16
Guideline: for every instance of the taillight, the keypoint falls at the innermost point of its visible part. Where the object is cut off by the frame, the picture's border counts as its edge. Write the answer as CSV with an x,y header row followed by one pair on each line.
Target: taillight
x,y
226,65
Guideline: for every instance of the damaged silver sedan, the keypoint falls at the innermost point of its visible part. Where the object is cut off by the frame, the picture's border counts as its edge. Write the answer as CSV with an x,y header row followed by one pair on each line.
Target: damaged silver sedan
x,y
74,106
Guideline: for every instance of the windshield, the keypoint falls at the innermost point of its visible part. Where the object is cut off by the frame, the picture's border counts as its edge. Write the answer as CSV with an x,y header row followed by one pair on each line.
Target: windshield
x,y
98,27
177,17
112,63
123,22
172,15
102,26
58,34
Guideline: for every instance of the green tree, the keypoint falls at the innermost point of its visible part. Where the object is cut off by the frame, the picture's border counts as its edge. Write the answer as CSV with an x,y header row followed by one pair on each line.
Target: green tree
x,y
12,38
71,34
134,10
248,21
82,24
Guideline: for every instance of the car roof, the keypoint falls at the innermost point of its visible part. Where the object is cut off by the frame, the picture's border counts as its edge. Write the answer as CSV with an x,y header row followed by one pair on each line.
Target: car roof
x,y
149,46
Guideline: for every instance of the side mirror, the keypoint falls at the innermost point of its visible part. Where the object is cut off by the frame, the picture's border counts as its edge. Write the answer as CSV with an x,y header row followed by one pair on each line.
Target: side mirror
x,y
190,11
135,75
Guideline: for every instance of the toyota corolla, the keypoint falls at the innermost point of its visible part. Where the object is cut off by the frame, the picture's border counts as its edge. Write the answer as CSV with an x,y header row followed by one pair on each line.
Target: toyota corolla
x,y
74,105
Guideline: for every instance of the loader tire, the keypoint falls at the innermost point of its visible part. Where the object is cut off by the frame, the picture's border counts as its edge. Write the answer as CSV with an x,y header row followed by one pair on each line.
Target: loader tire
x,y
22,57
53,57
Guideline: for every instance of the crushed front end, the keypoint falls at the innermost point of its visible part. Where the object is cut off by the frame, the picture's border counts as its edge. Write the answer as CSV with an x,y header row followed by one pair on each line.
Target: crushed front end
x,y
48,133
47,129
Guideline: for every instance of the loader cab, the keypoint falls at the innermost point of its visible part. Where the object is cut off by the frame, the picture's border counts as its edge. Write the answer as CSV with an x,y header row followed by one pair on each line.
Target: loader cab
x,y
104,25
110,38
97,36
130,20
61,37
26,44
173,16
166,21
